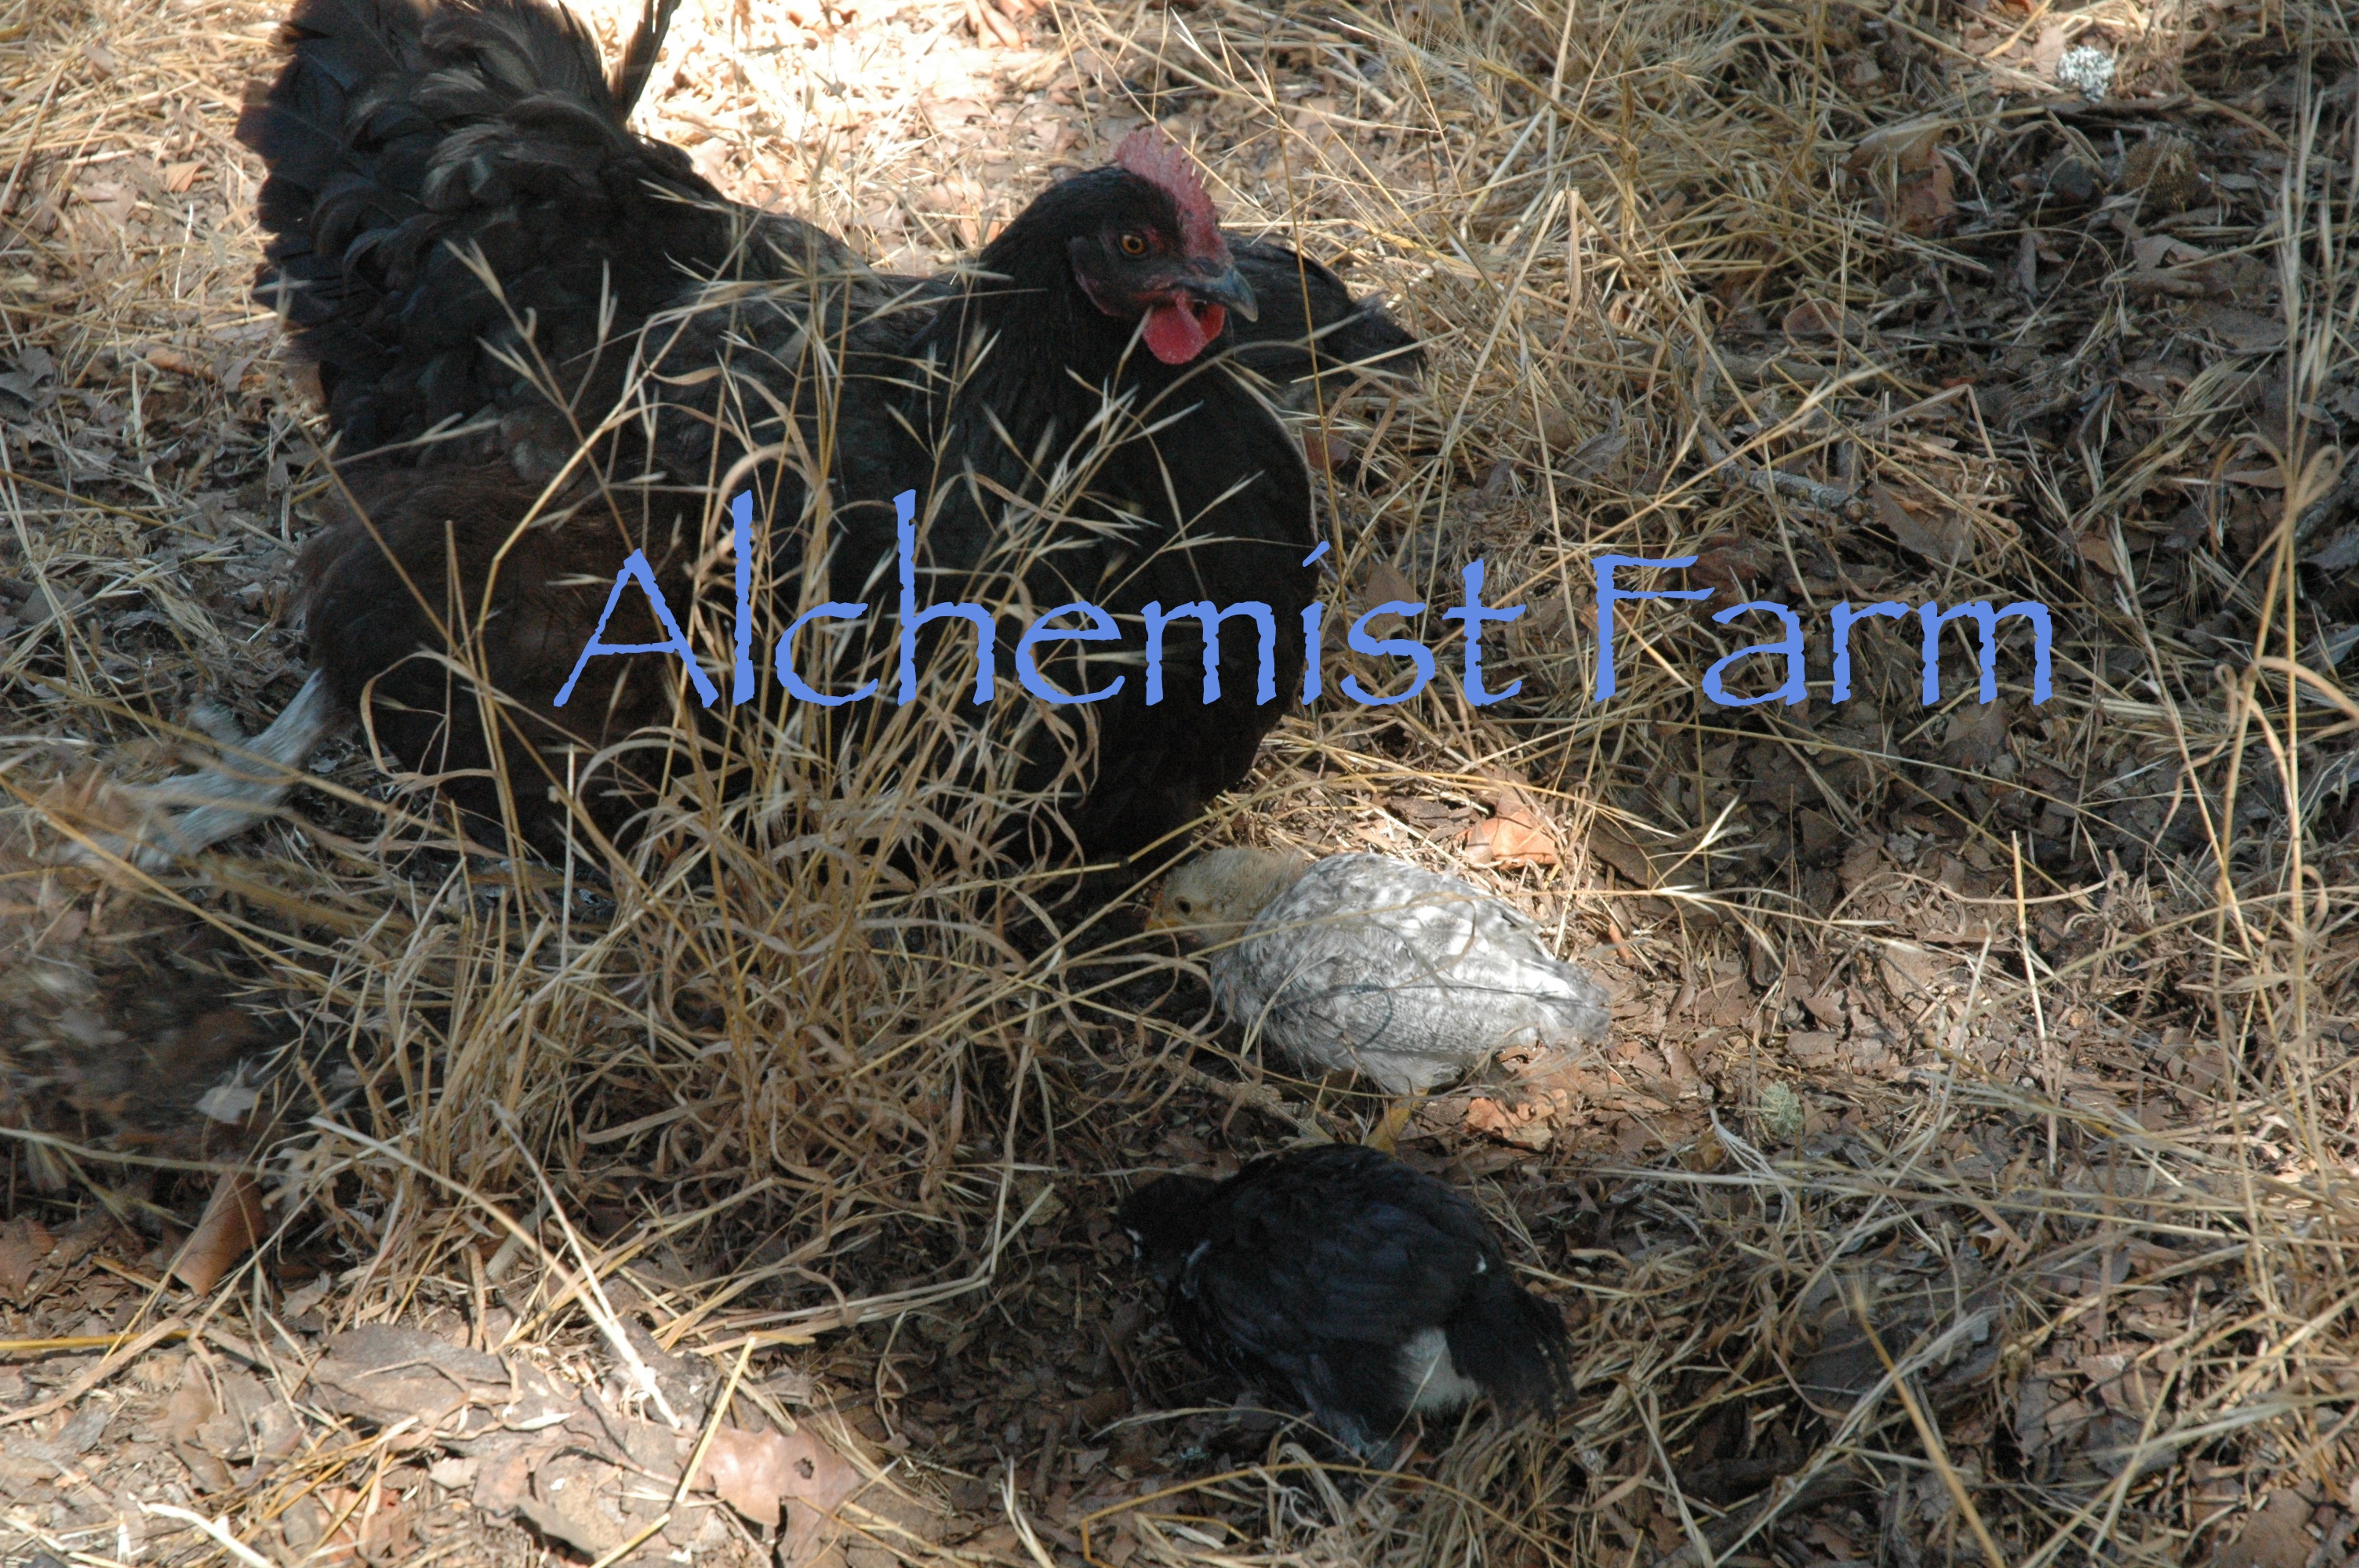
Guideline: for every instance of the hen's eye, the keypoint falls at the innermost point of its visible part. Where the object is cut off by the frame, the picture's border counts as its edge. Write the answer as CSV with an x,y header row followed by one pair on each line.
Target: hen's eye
x,y
1134,245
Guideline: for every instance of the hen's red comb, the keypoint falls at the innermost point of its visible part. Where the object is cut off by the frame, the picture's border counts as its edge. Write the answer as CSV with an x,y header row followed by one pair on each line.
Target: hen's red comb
x,y
1152,155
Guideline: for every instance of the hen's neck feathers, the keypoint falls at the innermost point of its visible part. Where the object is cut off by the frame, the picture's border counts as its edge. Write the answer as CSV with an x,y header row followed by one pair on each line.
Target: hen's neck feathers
x,y
1042,331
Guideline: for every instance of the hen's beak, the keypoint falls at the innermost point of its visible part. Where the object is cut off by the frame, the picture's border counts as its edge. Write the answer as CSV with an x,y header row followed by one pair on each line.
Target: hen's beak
x,y
1216,284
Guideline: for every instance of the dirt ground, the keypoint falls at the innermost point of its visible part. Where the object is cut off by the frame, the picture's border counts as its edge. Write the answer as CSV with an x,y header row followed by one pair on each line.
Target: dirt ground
x,y
1969,1175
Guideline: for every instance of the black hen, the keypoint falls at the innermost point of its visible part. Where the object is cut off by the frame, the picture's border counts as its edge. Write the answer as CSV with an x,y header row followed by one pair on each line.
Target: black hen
x,y
563,345
1339,1278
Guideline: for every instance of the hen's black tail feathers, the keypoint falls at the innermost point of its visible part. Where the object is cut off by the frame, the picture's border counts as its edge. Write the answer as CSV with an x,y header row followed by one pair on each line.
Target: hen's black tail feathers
x,y
406,137
1310,329
629,78
1512,1343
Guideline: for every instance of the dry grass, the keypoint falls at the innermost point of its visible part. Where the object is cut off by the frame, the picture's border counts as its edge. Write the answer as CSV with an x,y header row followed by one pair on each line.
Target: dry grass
x,y
2017,1034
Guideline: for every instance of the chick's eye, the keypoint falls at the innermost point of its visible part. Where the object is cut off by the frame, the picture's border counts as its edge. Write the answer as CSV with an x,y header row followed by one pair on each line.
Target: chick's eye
x,y
1133,245
1186,905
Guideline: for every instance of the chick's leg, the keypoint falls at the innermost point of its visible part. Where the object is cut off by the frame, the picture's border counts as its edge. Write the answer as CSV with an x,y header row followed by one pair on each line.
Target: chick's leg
x,y
1393,1122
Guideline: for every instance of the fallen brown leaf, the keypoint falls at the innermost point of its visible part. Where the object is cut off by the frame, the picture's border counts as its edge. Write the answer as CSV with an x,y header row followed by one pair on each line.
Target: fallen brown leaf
x,y
2274,1537
1814,1049
372,1529
1940,536
1731,564
1926,202
1514,836
1381,583
1909,144
1814,318
1489,1117
2245,331
1610,845
23,1244
2097,549
1516,833
758,1474
1325,453
1977,739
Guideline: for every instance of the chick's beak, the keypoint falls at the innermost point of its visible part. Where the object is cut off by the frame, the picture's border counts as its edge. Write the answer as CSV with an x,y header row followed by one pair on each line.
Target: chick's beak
x,y
1219,282
1159,916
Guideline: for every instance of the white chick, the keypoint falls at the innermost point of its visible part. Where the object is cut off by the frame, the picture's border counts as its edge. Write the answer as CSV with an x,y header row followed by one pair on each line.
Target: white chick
x,y
1365,962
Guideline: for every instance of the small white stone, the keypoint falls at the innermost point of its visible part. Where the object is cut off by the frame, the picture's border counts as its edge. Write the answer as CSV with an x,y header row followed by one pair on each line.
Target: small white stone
x,y
2087,68
228,1102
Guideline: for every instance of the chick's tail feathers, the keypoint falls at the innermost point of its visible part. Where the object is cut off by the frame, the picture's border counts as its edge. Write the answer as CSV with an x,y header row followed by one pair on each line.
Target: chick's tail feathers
x,y
1510,1342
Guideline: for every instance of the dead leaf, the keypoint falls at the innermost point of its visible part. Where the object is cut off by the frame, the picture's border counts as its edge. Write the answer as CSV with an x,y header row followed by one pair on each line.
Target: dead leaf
x,y
25,381
2276,1536
1686,1082
1610,845
186,1416
1592,454
991,27
2247,331
1381,583
1926,200
1910,972
23,1244
1516,833
192,1404
1909,144
758,1474
1939,535
374,1530
110,199
1731,564
2049,48
2164,253
503,1476
252,1422
1325,453
1979,738
179,176
234,376
1814,1049
1489,1117
230,1228
1814,318
383,1374
2097,549
563,1504
1512,837
2339,552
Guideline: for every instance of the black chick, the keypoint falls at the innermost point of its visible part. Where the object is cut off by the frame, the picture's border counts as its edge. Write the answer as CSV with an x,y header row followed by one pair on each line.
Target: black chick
x,y
1338,1277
